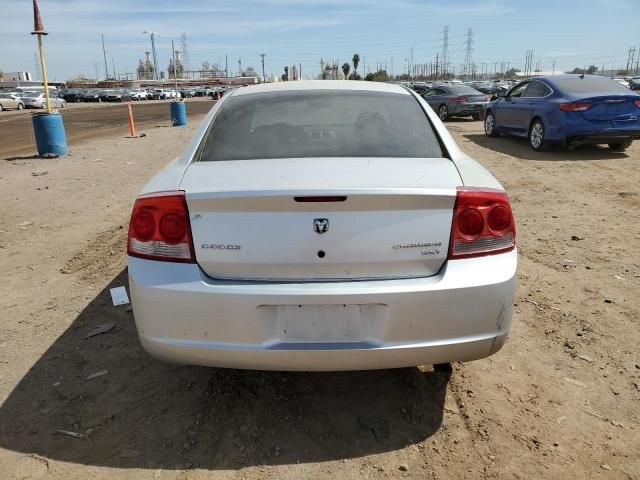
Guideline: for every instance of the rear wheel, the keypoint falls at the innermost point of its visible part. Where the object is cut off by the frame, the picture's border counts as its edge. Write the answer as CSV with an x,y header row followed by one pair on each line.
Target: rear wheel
x,y
537,136
443,112
0,107
620,146
490,125
20,106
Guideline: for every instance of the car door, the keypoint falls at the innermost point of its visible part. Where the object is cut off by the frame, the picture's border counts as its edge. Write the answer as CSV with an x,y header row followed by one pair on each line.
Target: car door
x,y
525,107
505,118
435,97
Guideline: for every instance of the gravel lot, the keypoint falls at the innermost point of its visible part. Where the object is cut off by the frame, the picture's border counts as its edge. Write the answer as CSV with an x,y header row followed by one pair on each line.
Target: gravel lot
x,y
560,400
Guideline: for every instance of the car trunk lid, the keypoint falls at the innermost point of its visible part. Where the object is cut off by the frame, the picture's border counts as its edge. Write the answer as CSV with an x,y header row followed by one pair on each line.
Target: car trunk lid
x,y
611,108
319,219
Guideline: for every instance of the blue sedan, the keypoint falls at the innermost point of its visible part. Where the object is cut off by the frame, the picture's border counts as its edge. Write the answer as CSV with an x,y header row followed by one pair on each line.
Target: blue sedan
x,y
566,110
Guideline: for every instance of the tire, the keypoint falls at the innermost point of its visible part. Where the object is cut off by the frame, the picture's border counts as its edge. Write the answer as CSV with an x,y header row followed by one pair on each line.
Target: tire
x,y
20,106
63,104
443,112
536,136
0,108
620,146
490,125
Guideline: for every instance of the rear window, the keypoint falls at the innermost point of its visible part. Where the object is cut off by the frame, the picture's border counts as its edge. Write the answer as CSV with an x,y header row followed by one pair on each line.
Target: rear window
x,y
298,124
589,84
463,90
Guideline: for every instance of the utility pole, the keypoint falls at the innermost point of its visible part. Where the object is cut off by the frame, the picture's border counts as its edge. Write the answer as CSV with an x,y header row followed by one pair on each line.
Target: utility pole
x,y
264,78
226,66
113,64
104,54
437,66
553,68
239,67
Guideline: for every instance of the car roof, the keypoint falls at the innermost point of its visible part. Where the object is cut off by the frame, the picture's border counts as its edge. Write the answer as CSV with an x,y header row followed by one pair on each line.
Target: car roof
x,y
306,85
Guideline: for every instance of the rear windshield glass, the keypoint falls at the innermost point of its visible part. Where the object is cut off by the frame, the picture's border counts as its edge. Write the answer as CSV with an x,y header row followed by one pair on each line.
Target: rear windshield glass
x,y
464,90
589,84
298,124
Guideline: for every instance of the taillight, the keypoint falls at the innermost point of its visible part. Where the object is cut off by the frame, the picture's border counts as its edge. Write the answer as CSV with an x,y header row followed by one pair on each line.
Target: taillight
x,y
482,223
637,102
487,98
459,99
159,228
575,106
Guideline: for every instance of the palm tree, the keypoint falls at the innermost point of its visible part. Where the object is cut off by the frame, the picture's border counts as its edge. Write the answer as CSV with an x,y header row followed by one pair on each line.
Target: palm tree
x,y
356,61
345,69
286,73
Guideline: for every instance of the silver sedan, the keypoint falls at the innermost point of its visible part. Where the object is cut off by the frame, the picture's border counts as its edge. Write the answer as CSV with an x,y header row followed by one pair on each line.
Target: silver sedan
x,y
322,226
456,101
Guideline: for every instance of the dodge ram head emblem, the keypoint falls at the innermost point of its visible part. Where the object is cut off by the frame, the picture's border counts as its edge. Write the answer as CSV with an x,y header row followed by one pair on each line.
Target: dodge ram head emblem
x,y
320,225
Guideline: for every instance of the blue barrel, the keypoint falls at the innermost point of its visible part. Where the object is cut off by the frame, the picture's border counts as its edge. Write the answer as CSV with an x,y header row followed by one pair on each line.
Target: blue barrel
x,y
178,114
51,139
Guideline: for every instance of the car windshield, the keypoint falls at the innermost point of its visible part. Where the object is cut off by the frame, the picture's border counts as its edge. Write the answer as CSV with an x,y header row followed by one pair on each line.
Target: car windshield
x,y
297,124
33,94
589,84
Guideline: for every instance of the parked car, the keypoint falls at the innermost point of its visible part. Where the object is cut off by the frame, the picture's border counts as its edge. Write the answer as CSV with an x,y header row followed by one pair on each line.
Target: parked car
x,y
37,100
159,94
8,102
567,110
456,101
138,94
634,83
187,93
118,96
91,96
266,246
72,95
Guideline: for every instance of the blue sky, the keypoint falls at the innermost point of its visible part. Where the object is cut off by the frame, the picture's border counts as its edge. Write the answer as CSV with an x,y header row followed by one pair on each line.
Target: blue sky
x,y
573,32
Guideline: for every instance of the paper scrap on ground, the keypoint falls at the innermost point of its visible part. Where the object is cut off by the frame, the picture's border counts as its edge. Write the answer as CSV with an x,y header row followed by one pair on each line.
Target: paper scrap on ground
x,y
119,296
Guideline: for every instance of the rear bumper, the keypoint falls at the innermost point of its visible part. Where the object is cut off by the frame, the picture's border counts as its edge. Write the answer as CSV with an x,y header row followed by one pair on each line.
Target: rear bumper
x,y
461,314
468,109
603,136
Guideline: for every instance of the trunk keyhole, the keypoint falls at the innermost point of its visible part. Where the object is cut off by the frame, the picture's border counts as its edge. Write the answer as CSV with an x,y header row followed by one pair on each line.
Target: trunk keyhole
x,y
321,254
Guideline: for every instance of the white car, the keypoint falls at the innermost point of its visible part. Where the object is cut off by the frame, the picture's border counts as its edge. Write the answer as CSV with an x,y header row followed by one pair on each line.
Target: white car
x,y
322,226
38,100
138,94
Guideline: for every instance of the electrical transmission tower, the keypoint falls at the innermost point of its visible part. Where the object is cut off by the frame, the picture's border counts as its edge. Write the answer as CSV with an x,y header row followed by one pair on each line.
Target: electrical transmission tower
x,y
185,52
445,50
468,60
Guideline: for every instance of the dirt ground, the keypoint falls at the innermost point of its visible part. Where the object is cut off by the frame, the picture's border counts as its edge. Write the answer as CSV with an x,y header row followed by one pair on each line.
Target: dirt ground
x,y
561,400
90,120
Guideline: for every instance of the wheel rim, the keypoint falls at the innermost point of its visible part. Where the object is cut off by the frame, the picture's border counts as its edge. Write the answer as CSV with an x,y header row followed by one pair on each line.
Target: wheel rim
x,y
537,133
488,124
443,112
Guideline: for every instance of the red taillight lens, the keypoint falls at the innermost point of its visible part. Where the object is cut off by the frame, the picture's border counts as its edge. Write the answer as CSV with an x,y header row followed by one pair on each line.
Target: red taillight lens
x,y
487,98
482,223
470,222
159,228
575,106
459,99
637,102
